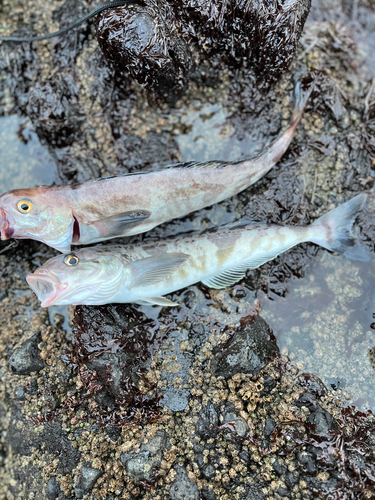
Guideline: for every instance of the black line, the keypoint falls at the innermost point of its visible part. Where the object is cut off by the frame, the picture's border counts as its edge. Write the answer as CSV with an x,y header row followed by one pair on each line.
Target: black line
x,y
109,5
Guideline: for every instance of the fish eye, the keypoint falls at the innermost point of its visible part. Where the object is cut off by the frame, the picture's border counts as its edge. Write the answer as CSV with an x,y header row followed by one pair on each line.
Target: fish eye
x,y
24,206
71,260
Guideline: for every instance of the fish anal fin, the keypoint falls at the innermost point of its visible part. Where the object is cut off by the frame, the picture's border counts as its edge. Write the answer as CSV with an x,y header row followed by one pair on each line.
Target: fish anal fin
x,y
235,274
120,224
153,270
156,301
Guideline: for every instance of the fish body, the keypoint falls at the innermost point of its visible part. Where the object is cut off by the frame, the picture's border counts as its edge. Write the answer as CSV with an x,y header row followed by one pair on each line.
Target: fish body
x,y
91,212
218,258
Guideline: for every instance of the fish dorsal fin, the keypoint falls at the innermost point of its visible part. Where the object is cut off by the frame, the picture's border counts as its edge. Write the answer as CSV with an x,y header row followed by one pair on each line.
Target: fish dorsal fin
x,y
153,270
119,224
233,275
156,301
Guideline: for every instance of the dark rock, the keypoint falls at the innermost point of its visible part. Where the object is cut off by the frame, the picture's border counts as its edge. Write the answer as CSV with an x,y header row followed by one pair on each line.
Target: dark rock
x,y
154,42
26,359
280,469
268,384
182,488
208,421
244,456
19,393
322,420
269,427
283,492
240,426
255,492
208,471
175,399
143,466
251,348
308,460
144,40
290,479
52,489
208,493
89,476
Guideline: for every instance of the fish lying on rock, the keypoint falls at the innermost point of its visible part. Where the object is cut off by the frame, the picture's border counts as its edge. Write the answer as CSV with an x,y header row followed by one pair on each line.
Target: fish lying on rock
x,y
81,214
218,258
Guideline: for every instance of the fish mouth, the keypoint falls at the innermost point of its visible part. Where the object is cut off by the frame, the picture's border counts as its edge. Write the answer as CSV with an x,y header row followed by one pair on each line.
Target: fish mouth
x,y
46,286
6,231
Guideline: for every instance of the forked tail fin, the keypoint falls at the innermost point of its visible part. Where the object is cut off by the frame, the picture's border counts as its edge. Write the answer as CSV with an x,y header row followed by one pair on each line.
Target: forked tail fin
x,y
334,230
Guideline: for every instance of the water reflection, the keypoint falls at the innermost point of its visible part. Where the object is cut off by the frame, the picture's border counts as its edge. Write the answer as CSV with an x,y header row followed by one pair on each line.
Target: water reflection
x,y
325,325
205,133
24,162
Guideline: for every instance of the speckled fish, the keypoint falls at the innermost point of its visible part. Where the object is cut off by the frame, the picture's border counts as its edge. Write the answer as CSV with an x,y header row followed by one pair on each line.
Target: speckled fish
x,y
94,211
218,258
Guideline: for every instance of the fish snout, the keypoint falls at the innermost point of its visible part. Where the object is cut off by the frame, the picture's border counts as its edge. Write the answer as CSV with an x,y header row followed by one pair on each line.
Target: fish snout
x,y
5,230
46,285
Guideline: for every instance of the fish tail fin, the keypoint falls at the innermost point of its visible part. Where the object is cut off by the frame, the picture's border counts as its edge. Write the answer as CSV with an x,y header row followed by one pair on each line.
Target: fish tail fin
x,y
300,100
333,230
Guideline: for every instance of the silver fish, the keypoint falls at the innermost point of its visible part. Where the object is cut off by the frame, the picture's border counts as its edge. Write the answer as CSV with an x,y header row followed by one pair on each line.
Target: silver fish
x,y
218,258
91,212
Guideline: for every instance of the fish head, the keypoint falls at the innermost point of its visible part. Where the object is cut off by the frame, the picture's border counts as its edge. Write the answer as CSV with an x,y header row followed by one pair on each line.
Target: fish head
x,y
90,276
40,214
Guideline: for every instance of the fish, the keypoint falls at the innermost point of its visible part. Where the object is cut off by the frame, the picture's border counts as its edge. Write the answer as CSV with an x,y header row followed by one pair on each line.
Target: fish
x,y
129,204
145,273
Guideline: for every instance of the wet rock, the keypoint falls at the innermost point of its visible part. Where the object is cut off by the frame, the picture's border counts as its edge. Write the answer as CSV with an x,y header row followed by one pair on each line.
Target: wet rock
x,y
308,460
143,466
238,425
87,479
145,41
182,488
52,489
280,469
208,493
321,420
155,41
175,399
26,359
269,427
255,492
251,348
208,421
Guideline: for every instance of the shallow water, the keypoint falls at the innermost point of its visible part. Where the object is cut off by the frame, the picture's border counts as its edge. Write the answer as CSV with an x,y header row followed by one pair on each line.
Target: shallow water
x,y
24,161
325,324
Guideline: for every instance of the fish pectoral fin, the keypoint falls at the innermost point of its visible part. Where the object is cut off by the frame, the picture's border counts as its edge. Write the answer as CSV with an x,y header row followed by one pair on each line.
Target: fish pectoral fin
x,y
156,301
120,224
154,270
231,276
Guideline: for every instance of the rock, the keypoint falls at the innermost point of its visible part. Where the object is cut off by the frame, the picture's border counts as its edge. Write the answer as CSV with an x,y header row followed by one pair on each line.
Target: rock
x,y
240,425
269,427
52,489
321,419
182,488
208,421
89,476
308,460
255,492
176,399
208,471
208,493
142,466
26,359
251,348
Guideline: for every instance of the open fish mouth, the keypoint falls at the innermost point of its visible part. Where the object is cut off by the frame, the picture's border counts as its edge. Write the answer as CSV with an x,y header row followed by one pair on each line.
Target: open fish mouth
x,y
47,287
5,230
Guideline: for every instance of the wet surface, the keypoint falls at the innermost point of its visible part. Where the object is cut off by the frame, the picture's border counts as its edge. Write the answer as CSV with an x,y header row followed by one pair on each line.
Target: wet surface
x,y
23,159
132,402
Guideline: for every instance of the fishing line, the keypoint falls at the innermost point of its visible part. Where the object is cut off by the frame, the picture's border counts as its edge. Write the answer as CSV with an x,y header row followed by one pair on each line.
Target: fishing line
x,y
95,12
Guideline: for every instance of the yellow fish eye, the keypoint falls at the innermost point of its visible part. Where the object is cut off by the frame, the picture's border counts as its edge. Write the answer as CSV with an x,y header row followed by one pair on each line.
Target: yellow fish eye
x,y
24,206
71,260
